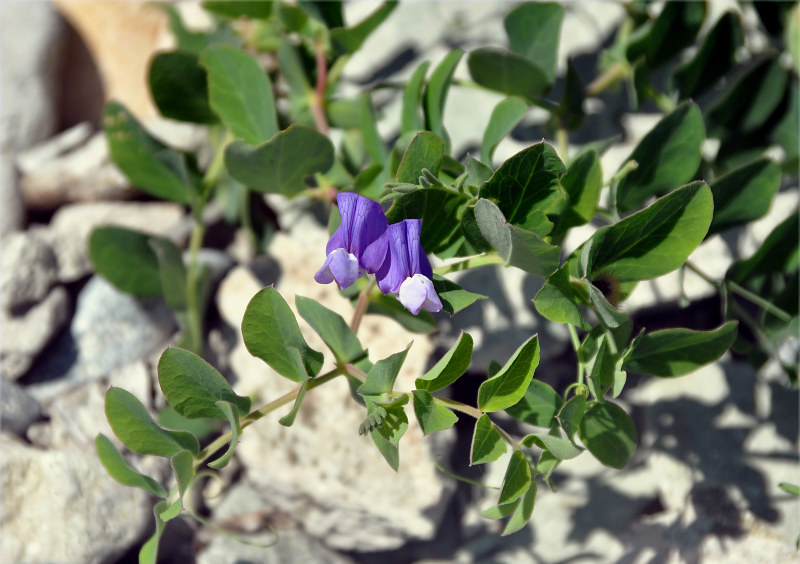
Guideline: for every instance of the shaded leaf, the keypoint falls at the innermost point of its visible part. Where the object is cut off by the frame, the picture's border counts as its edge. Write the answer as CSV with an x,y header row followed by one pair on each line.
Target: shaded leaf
x,y
561,449
509,73
179,88
125,258
667,157
538,406
558,300
431,415
675,352
517,479
533,30
505,116
333,329
350,39
381,377
744,195
571,414
582,183
609,434
522,512
436,93
134,426
119,468
232,415
391,307
411,120
454,298
424,152
281,165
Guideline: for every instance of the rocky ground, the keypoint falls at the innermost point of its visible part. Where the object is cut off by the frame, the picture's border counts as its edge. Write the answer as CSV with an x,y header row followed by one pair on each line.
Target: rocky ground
x,y
713,445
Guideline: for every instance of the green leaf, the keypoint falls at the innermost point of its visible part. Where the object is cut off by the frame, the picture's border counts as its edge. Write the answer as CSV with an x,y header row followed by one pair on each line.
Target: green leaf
x,y
425,151
200,428
431,415
454,298
440,211
281,165
288,419
231,413
333,329
183,466
744,195
390,307
508,386
526,188
450,367
533,30
411,120
571,414
500,511
655,241
522,512
790,488
171,271
145,161
538,406
133,425
675,352
436,94
149,552
505,116
179,88
389,451
240,92
791,37
774,255
561,449
713,60
350,39
381,377
328,12
582,183
269,328
487,443
477,172
558,300
119,468
234,9
124,258
668,156
517,479
609,434
193,387
509,73
376,149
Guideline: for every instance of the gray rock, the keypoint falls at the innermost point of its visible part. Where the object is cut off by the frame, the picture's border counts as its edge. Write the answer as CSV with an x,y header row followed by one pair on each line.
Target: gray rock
x,y
26,335
71,226
18,408
60,506
79,171
248,511
109,329
29,35
29,269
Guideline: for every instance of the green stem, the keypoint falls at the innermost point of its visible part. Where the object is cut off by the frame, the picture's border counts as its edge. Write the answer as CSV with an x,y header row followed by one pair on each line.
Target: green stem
x,y
215,168
458,406
473,262
562,136
576,344
194,318
617,72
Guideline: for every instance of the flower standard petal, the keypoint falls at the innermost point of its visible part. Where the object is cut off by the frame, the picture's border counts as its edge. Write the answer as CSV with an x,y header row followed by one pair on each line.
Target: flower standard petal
x,y
395,268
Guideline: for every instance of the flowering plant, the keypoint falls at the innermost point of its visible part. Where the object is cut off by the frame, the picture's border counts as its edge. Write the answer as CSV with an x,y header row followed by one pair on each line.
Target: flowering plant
x,y
396,202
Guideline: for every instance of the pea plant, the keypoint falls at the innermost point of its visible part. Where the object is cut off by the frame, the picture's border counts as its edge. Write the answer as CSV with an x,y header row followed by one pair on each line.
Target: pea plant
x,y
265,80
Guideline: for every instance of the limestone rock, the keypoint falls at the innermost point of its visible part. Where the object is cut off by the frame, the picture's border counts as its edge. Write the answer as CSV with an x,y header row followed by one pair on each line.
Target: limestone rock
x,y
28,267
71,226
18,408
60,506
26,335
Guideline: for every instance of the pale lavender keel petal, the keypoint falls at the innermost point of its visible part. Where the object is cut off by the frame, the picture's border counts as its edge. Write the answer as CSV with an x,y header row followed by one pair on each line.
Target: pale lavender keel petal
x,y
340,266
418,293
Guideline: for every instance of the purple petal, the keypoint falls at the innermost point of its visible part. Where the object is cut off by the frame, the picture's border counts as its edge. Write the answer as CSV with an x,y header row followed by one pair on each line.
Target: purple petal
x,y
395,268
417,293
362,231
340,266
417,259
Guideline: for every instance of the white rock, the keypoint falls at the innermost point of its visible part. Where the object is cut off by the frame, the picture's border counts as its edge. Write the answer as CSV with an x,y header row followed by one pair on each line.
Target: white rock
x,y
19,409
27,335
81,174
28,267
71,226
60,506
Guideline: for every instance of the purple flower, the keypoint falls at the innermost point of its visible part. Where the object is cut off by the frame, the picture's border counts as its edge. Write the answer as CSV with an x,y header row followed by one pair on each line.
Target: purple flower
x,y
406,269
360,243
